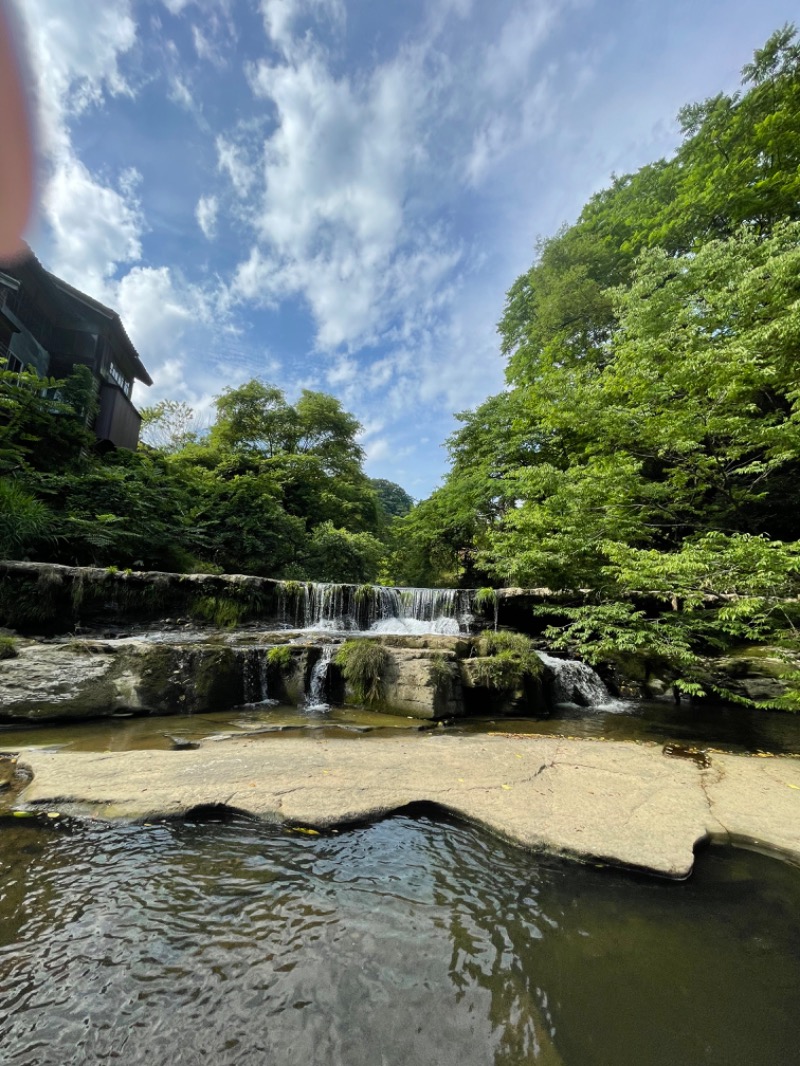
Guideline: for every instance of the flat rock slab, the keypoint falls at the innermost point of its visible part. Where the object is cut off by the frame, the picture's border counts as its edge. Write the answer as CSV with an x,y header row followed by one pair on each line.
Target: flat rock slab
x,y
622,803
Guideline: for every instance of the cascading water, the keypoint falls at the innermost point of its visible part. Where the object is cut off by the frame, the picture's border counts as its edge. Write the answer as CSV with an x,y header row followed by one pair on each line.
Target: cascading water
x,y
315,697
254,677
374,608
574,682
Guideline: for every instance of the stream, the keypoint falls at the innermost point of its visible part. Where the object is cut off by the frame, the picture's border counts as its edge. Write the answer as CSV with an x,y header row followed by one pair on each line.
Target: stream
x,y
411,941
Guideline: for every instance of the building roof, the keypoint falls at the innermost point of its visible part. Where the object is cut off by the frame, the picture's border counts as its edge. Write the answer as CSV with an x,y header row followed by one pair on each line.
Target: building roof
x,y
69,297
115,324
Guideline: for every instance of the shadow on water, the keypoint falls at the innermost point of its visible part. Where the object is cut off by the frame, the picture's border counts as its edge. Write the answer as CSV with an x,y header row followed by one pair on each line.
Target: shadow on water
x,y
412,940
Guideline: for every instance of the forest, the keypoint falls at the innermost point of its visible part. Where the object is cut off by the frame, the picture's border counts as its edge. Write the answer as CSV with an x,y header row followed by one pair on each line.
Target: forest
x,y
646,443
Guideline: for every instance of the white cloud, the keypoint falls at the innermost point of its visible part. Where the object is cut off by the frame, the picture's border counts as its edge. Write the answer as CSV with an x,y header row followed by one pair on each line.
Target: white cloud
x,y
377,449
339,167
172,323
206,49
206,213
95,223
343,372
94,226
508,60
281,17
232,160
180,93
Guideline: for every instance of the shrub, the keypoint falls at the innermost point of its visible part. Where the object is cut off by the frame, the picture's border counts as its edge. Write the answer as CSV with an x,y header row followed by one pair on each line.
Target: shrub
x,y
24,520
8,648
292,590
441,673
280,657
363,664
509,658
502,671
485,600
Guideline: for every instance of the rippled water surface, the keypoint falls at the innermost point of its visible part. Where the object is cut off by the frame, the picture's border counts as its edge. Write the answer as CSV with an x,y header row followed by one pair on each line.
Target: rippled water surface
x,y
407,942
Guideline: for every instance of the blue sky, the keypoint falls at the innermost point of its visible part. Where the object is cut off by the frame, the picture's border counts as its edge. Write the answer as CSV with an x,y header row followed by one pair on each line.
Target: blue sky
x,y
336,194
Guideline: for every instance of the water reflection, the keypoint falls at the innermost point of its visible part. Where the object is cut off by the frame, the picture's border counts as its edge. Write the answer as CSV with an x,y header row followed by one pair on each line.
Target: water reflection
x,y
409,941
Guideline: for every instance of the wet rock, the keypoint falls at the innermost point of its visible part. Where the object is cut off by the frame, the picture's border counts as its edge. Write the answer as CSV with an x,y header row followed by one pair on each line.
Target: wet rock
x,y
755,671
84,679
181,743
524,697
8,768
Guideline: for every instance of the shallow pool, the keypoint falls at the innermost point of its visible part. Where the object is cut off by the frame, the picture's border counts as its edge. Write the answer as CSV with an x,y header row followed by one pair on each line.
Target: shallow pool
x,y
737,729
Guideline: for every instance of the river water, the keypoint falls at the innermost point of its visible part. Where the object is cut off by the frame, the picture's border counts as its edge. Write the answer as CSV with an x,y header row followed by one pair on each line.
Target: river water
x,y
737,729
412,941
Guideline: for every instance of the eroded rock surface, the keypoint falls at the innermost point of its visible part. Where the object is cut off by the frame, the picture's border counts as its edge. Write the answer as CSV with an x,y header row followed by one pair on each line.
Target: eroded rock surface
x,y
621,803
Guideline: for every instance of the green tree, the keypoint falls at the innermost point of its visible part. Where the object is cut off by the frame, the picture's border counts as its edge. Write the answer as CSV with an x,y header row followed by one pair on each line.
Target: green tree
x,y
169,426
338,555
393,500
254,417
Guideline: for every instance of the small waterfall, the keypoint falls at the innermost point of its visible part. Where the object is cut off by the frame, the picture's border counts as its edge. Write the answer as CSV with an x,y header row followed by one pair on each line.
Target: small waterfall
x,y
315,697
574,682
414,610
254,677
373,608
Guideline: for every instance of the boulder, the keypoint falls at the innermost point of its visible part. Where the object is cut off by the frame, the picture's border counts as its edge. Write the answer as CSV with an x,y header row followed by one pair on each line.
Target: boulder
x,y
86,679
524,696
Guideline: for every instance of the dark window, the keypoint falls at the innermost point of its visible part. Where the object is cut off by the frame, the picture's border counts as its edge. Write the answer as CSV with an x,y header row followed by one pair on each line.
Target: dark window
x,y
117,376
14,364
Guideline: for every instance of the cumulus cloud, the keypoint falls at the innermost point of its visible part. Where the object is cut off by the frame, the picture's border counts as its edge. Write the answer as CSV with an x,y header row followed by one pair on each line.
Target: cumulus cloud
x,y
94,223
357,168
338,169
94,226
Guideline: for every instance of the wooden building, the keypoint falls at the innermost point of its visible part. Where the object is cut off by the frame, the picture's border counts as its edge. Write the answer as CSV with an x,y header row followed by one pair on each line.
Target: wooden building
x,y
51,327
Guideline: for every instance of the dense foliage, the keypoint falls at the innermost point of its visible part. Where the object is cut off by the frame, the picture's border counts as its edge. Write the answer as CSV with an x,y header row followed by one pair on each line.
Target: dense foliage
x,y
648,436
268,488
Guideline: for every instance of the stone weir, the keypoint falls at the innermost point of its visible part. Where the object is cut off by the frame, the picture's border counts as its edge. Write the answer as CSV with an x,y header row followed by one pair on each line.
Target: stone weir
x,y
50,598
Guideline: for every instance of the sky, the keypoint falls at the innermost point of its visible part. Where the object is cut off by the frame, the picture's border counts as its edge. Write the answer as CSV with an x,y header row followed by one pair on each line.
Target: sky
x,y
337,194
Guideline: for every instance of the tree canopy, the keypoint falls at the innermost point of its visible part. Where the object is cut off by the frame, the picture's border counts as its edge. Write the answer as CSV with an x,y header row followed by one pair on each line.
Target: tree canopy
x,y
653,392
271,488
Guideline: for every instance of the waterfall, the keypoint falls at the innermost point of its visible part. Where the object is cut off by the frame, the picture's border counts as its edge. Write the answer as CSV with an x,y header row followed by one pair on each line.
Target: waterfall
x,y
574,682
254,677
315,697
412,610
329,607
